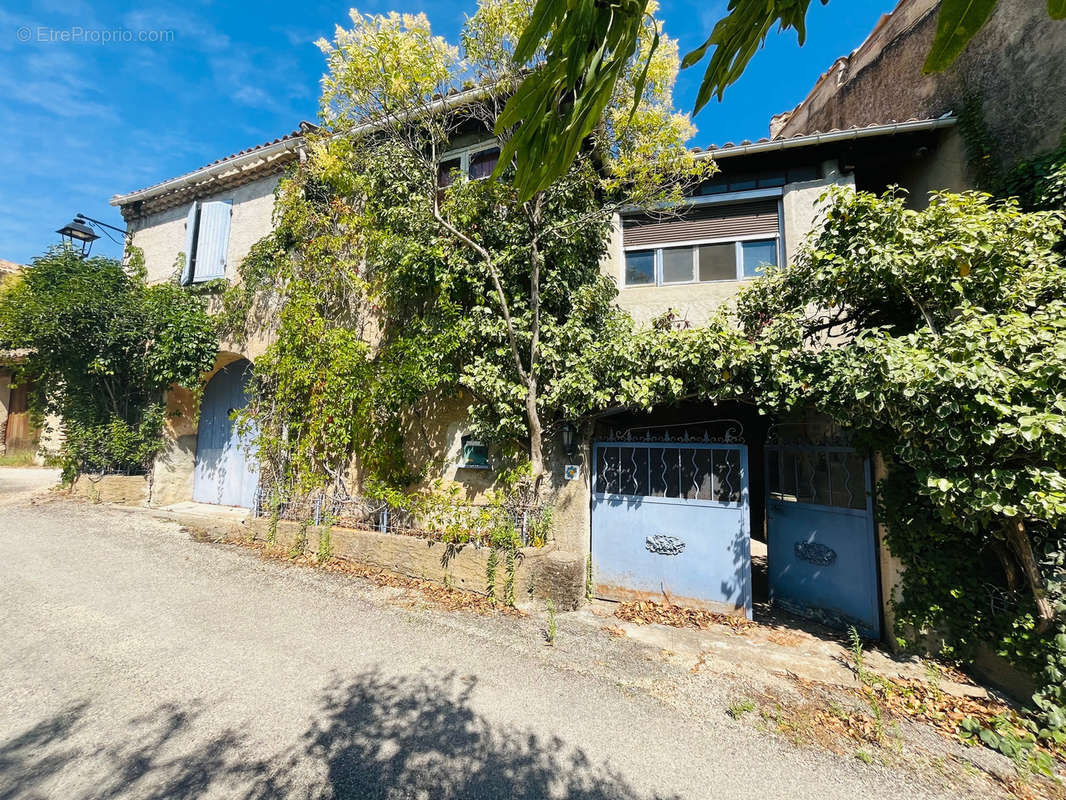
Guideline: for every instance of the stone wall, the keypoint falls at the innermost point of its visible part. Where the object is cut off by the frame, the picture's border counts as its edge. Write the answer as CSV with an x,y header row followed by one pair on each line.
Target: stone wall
x,y
1016,64
127,490
541,573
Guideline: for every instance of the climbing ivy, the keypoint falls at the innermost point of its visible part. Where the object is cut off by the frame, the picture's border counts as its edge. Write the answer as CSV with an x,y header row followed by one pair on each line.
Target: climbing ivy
x,y
938,335
393,298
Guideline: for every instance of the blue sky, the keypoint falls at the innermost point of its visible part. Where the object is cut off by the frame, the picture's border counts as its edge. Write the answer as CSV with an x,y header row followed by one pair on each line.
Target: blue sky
x,y
86,118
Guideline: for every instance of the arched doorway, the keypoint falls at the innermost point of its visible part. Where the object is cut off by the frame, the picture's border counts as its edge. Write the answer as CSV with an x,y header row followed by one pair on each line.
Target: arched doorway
x,y
226,472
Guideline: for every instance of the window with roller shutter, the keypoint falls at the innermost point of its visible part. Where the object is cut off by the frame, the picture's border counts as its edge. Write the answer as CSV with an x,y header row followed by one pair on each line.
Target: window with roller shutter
x,y
701,244
207,229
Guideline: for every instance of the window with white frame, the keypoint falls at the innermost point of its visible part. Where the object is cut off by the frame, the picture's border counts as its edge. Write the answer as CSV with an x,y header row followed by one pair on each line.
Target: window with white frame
x,y
474,162
702,244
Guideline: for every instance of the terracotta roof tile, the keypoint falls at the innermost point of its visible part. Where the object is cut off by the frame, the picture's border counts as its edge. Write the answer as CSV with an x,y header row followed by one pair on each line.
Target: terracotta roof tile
x,y
305,127
714,148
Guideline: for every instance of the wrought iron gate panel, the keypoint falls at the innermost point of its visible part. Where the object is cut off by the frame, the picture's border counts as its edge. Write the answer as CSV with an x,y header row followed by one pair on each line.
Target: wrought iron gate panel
x,y
821,549
672,519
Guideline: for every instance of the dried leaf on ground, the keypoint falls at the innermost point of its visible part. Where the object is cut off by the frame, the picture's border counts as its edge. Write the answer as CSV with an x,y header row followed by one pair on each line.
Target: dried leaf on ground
x,y
441,597
647,612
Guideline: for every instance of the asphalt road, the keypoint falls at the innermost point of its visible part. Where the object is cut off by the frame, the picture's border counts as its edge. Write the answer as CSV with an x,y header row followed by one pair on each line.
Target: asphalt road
x,y
137,662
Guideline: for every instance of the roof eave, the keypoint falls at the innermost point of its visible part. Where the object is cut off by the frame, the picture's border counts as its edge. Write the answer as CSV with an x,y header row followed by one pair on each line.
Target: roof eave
x,y
814,139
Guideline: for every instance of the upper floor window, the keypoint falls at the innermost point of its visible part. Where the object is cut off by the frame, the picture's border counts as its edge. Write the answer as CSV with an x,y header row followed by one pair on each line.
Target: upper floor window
x,y
703,244
474,162
729,181
206,241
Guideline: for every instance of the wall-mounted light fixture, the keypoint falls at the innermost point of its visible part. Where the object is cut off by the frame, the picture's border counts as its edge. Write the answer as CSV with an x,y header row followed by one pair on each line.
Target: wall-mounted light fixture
x,y
80,230
569,435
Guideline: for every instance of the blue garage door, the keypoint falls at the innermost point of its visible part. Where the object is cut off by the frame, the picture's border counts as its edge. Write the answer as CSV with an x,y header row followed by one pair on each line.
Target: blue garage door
x,y
670,521
226,473
820,536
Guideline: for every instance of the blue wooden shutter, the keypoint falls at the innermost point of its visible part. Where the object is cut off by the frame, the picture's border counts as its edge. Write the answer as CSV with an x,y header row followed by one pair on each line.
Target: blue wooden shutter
x,y
213,240
190,244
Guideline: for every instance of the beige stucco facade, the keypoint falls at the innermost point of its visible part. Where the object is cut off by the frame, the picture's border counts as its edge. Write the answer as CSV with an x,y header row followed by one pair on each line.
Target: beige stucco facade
x,y
697,302
161,235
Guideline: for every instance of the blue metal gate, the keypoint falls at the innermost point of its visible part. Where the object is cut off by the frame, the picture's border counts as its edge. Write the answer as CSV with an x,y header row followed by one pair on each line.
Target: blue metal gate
x,y
670,521
821,549
226,473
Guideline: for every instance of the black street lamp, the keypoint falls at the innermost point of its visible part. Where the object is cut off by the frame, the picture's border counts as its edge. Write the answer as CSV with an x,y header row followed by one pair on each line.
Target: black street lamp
x,y
80,229
76,231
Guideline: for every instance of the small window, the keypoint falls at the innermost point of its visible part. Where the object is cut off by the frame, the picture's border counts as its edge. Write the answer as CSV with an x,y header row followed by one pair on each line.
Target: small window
x,y
677,265
207,229
741,183
718,262
758,254
772,180
446,172
475,454
796,174
483,163
640,267
714,187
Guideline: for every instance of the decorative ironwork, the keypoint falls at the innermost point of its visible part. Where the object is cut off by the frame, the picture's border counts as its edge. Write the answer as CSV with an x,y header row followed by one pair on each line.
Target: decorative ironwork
x,y
664,545
732,432
453,522
815,553
693,472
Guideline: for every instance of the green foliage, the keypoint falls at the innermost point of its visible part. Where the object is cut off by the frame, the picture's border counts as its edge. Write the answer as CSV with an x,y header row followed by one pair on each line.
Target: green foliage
x,y
739,708
552,628
491,566
325,539
1010,736
508,586
394,299
938,336
103,347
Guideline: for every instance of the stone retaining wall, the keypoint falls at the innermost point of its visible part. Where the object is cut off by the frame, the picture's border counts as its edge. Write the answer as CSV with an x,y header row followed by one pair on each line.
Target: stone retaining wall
x,y
541,573
130,490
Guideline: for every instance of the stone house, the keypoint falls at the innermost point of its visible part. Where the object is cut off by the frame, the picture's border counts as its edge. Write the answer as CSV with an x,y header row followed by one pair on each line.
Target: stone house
x,y
710,505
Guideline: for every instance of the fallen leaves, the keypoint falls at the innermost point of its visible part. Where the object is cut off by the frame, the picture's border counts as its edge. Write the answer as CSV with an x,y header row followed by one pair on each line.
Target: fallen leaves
x,y
443,598
647,612
924,702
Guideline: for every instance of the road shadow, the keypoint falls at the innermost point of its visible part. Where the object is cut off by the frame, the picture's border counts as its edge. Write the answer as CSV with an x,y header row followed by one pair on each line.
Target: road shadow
x,y
372,737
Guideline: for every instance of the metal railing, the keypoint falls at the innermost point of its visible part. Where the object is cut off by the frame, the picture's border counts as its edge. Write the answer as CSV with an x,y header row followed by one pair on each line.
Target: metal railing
x,y
445,520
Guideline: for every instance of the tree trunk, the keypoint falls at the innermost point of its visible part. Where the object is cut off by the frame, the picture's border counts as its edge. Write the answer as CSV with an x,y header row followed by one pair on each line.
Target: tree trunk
x,y
536,429
1018,541
536,436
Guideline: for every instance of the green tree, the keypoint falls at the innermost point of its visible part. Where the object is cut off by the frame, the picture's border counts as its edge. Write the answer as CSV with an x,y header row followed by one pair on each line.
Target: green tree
x,y
463,284
590,44
103,346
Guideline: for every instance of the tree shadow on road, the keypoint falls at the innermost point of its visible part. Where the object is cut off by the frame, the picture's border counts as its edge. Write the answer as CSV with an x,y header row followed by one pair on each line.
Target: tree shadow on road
x,y
373,738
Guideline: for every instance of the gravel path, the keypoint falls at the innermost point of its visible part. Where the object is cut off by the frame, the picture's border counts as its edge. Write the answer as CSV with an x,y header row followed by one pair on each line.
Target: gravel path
x,y
138,662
